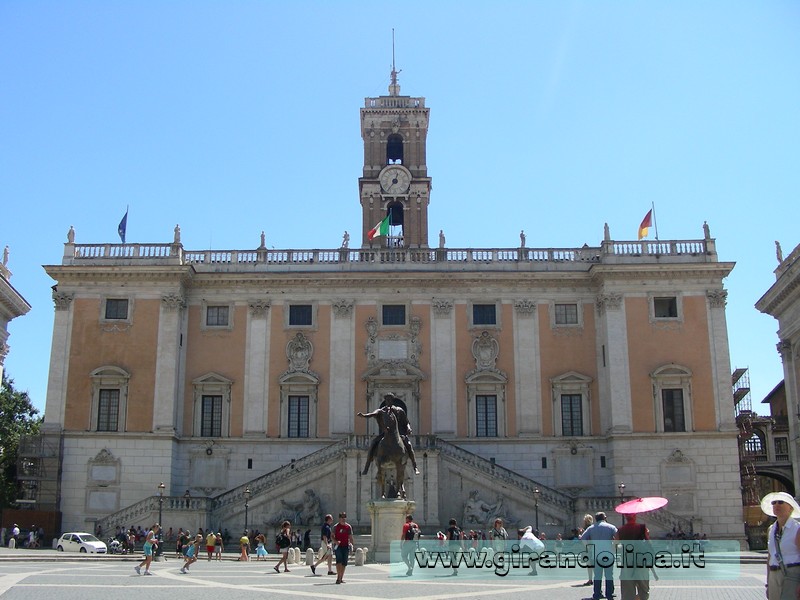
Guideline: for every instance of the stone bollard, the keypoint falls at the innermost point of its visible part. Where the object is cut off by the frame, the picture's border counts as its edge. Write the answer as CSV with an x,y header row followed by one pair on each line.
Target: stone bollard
x,y
309,557
297,556
289,556
12,543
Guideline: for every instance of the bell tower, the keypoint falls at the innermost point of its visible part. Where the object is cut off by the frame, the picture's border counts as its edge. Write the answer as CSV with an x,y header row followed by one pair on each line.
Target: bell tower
x,y
395,178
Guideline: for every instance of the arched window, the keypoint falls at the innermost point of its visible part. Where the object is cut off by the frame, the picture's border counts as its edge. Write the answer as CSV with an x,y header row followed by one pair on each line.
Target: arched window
x,y
394,150
755,447
396,219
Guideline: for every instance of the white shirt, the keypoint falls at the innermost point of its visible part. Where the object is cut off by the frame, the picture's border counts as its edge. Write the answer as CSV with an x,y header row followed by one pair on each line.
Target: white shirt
x,y
789,550
532,542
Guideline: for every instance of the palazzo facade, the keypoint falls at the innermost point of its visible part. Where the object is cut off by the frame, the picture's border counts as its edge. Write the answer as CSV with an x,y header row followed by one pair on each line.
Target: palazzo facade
x,y
536,380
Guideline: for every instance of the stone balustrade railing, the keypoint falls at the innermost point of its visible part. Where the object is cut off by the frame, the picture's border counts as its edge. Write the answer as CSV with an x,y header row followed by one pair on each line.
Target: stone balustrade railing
x,y
394,102
367,258
666,519
235,496
147,509
497,473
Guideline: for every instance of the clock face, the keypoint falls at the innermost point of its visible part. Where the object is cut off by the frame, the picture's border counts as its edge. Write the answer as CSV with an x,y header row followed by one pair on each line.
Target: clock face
x,y
395,180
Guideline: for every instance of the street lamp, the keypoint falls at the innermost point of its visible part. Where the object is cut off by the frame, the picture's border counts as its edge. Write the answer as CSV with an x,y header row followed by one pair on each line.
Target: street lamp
x,y
536,494
621,488
161,488
246,506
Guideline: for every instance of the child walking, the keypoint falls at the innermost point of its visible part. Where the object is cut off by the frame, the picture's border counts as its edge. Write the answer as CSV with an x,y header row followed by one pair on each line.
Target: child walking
x,y
191,553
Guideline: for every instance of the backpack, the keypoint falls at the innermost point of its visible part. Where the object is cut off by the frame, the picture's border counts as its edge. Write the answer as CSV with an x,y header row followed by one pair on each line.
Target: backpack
x,y
412,532
282,540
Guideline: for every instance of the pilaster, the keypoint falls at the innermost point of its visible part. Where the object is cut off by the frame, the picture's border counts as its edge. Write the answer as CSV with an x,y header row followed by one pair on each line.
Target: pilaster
x,y
720,359
256,388
528,368
443,369
614,369
791,378
341,413
168,360
59,362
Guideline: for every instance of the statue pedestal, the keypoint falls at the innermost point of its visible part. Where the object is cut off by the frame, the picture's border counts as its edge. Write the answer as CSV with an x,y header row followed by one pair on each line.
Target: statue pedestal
x,y
387,518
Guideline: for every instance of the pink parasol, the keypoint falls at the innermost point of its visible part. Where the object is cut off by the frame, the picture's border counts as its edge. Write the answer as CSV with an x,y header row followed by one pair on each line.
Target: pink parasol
x,y
640,505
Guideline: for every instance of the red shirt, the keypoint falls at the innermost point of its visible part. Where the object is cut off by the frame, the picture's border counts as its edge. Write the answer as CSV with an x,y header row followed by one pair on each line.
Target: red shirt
x,y
342,533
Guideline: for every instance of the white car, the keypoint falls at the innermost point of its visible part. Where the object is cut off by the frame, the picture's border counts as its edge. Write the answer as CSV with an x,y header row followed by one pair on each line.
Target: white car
x,y
81,542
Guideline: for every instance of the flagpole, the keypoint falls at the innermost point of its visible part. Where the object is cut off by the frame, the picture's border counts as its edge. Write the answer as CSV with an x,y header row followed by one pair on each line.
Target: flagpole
x,y
655,223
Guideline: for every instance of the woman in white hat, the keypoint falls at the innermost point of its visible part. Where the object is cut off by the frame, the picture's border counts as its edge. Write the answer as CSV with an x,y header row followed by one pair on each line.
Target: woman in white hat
x,y
783,543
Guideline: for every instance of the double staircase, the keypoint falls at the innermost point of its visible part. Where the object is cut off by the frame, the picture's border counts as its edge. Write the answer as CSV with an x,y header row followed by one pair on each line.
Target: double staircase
x,y
230,506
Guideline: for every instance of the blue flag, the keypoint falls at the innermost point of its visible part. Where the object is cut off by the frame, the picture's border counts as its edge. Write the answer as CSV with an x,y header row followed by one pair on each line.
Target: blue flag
x,y
123,227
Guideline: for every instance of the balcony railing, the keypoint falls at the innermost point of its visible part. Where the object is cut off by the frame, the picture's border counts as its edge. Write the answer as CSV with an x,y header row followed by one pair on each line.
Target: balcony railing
x,y
701,251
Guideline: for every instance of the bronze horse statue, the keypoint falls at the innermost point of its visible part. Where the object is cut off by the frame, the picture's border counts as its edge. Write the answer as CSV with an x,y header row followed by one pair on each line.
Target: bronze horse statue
x,y
391,451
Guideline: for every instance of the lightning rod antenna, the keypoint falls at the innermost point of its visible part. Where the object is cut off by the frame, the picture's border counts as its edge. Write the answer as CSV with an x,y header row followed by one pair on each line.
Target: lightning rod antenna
x,y
394,88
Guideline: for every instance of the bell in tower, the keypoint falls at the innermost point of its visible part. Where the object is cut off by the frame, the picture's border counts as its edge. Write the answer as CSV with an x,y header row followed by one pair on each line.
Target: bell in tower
x,y
394,187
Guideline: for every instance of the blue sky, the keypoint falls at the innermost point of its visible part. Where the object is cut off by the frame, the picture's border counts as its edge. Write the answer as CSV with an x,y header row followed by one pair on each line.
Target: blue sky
x,y
553,117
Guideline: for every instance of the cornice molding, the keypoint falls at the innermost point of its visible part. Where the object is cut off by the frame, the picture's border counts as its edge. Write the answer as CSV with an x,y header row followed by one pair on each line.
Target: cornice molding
x,y
781,291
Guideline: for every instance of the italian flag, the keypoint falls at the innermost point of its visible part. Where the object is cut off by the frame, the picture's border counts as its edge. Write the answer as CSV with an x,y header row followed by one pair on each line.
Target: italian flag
x,y
380,229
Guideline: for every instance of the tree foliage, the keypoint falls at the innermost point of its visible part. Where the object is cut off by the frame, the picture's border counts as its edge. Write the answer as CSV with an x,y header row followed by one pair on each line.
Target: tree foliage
x,y
18,417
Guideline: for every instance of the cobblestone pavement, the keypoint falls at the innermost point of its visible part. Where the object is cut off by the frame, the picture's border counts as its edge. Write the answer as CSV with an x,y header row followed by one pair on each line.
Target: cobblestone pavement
x,y
81,578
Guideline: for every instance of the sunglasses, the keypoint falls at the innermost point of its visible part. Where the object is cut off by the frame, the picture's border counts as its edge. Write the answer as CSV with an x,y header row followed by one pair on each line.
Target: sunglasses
x,y
774,502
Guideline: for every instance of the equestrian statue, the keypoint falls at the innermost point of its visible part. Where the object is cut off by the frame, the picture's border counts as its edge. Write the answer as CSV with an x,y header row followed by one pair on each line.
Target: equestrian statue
x,y
391,446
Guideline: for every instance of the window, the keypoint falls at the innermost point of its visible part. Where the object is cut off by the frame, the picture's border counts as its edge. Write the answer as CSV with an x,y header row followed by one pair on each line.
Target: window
x,y
484,314
300,315
298,417
781,448
755,448
394,149
486,416
109,399
116,309
217,316
108,410
571,414
672,400
211,416
566,314
298,404
211,405
394,314
665,308
571,408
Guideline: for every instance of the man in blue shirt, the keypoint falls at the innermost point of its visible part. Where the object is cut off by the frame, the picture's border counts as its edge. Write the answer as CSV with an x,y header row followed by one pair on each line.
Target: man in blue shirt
x,y
601,534
326,536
